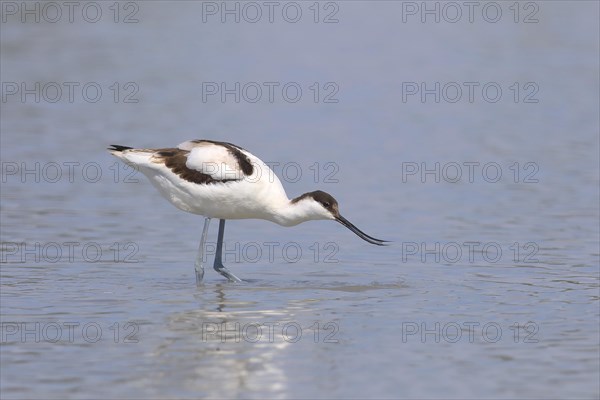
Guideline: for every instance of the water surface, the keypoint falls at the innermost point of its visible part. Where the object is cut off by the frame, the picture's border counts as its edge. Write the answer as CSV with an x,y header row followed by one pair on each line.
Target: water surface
x,y
97,286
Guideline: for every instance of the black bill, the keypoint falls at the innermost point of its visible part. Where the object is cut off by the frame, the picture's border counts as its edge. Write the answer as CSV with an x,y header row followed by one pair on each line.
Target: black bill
x,y
360,233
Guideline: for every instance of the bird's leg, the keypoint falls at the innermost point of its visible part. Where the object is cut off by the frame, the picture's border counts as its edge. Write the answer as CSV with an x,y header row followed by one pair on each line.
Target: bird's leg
x,y
219,267
200,257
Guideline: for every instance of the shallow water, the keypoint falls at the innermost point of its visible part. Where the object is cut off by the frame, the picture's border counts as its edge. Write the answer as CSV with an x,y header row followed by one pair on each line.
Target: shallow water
x,y
490,289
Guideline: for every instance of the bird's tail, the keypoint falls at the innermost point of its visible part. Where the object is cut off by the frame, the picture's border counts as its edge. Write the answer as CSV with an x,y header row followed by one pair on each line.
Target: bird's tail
x,y
133,157
118,148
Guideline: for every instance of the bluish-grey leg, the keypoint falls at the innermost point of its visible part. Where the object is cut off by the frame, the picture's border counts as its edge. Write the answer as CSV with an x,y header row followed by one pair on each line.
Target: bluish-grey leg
x,y
219,267
199,264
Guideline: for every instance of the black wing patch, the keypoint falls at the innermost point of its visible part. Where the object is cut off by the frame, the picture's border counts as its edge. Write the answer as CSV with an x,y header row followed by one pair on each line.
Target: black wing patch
x,y
242,160
175,160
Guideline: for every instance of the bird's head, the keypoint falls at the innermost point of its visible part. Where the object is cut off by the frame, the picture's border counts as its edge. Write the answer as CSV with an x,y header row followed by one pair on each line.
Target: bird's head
x,y
322,205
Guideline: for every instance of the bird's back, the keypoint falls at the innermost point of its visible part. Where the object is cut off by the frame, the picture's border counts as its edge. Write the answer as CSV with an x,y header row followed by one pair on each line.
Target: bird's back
x,y
215,179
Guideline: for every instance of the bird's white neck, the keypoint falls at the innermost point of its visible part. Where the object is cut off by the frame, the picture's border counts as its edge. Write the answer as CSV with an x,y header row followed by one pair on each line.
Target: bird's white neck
x,y
291,213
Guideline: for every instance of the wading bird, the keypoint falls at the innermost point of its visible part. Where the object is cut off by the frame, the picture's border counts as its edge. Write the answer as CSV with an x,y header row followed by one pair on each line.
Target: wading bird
x,y
224,181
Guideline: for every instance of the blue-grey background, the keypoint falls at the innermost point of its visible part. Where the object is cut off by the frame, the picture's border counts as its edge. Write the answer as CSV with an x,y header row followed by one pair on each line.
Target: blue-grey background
x,y
375,322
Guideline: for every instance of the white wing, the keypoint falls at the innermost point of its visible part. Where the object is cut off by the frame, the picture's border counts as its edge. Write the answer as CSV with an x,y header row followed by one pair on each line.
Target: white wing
x,y
218,160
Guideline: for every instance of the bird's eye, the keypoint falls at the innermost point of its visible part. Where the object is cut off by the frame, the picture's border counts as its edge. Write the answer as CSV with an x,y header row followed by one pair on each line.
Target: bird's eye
x,y
326,204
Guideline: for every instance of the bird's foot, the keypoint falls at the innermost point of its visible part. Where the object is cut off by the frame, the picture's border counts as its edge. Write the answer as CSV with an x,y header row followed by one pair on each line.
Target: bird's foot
x,y
199,276
220,268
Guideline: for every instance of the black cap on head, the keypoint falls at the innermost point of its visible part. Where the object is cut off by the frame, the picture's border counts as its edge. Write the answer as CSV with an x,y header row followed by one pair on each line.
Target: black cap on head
x,y
326,200
323,198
